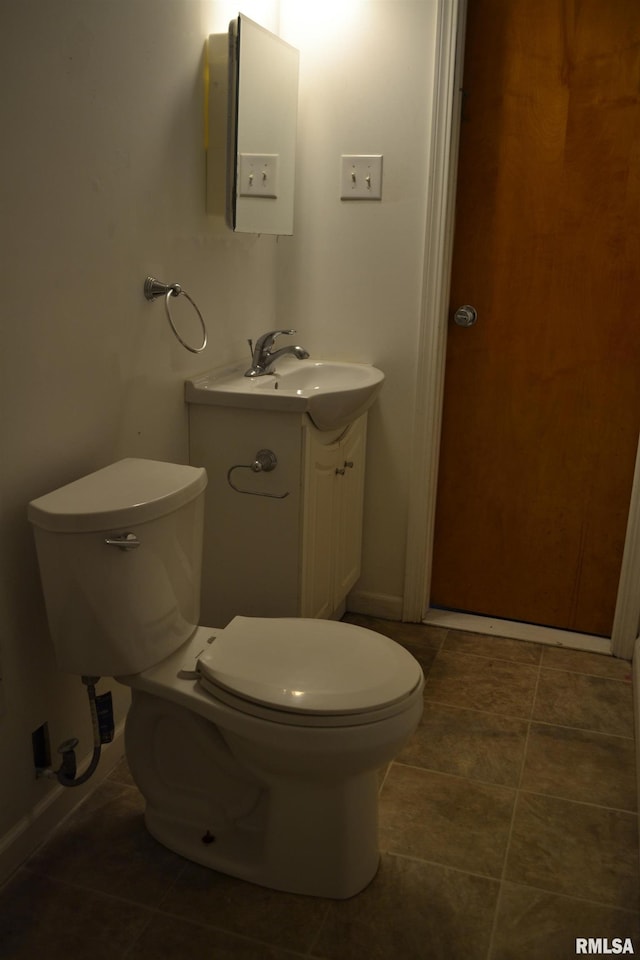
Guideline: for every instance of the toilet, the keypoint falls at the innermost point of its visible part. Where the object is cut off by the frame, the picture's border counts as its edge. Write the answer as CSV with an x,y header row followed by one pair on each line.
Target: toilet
x,y
257,747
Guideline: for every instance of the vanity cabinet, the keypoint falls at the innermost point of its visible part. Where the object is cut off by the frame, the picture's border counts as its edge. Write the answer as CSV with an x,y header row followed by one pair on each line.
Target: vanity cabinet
x,y
285,542
332,519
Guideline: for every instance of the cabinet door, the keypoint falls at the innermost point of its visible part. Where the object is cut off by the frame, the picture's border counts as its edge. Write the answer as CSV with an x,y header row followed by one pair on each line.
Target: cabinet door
x,y
317,556
349,503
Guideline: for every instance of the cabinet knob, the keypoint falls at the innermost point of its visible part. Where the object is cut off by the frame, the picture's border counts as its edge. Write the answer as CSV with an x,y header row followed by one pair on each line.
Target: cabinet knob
x,y
340,470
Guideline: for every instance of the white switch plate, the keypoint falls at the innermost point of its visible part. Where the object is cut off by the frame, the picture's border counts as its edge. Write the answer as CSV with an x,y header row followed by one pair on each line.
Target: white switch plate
x,y
361,177
258,175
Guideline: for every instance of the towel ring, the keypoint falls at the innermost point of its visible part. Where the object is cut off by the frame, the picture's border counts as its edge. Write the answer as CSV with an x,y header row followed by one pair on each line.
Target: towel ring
x,y
155,288
265,461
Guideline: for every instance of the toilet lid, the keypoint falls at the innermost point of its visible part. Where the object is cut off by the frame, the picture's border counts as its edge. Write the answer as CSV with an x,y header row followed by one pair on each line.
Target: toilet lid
x,y
309,666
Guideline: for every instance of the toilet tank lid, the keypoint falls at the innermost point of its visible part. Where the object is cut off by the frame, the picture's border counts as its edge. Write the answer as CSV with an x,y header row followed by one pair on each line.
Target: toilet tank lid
x,y
125,493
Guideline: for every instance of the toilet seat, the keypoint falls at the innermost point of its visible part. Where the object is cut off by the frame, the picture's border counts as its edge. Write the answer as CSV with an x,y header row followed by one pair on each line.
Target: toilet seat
x,y
308,672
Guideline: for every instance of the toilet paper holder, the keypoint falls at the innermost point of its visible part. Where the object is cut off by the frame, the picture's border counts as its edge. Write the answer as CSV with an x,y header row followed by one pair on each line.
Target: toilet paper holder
x,y
264,462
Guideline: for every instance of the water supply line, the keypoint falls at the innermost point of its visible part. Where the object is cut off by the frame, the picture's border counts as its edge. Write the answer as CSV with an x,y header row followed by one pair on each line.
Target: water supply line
x,y
101,710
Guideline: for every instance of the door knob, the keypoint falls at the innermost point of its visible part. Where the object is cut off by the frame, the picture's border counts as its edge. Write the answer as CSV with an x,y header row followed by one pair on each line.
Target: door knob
x,y
465,316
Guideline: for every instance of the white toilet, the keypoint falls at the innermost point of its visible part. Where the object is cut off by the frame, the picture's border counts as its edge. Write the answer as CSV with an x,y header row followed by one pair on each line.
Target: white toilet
x,y
257,746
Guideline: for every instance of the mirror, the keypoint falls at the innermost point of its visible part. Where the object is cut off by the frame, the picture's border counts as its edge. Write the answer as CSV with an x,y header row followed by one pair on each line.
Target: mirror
x,y
251,137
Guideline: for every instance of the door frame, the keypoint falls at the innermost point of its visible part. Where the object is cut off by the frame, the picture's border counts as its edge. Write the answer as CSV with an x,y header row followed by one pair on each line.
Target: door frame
x,y
438,249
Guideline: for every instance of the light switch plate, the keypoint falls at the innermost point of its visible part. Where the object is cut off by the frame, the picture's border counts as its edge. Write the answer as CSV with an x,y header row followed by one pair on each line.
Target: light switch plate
x,y
258,175
361,177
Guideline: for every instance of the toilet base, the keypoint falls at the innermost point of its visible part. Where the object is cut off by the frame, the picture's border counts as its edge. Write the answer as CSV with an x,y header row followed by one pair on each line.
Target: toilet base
x,y
335,855
299,833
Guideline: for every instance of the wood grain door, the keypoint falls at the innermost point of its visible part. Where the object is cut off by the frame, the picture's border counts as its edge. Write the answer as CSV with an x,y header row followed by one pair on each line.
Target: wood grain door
x,y
542,394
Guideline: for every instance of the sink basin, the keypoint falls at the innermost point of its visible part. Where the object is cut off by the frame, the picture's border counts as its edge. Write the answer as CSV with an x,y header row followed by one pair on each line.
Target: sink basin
x,y
333,394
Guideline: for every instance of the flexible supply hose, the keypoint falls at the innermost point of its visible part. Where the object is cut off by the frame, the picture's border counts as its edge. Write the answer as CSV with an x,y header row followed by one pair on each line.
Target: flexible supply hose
x,y
66,775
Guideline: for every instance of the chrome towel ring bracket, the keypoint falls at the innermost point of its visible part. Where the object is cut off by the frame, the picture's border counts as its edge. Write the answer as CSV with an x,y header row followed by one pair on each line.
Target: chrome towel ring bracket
x,y
265,461
155,288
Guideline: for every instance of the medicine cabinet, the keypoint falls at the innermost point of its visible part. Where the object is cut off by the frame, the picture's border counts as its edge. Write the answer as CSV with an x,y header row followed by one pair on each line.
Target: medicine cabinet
x,y
252,106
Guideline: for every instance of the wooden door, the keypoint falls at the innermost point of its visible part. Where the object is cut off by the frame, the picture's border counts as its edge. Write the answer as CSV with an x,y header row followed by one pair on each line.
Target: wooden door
x,y
542,394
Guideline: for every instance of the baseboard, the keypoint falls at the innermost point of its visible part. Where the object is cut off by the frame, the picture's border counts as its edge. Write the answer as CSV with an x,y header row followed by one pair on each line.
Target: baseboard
x,y
25,837
375,605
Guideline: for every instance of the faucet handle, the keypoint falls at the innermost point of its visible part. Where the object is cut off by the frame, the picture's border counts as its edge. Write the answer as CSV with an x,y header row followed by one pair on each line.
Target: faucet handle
x,y
268,339
261,355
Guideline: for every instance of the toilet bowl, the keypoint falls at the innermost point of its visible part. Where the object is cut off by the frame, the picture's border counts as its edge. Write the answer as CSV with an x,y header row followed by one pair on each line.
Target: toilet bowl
x,y
257,746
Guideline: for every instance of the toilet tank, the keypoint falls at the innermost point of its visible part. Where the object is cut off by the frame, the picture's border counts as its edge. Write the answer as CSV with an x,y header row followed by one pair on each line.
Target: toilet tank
x,y
120,560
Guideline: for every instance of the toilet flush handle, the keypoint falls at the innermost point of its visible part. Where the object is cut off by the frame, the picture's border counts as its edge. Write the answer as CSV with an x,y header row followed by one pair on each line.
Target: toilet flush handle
x,y
124,541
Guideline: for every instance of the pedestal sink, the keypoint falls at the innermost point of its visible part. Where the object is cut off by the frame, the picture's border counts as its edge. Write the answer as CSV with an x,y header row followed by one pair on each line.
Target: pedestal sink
x,y
332,393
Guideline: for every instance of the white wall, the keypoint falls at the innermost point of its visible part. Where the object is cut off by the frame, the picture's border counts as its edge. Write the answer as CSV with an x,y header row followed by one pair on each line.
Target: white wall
x,y
350,277
102,183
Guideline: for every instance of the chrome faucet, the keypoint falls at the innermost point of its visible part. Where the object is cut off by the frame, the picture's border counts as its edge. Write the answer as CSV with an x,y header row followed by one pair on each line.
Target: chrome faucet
x,y
262,357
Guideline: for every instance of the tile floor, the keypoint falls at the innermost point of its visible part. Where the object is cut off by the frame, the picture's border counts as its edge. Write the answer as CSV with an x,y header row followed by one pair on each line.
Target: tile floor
x,y
508,828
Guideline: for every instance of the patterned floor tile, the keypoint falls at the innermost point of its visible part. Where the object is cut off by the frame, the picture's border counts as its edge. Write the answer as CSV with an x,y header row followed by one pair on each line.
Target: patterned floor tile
x,y
106,847
449,820
581,764
535,925
468,743
170,938
479,683
587,702
496,648
575,849
206,897
412,910
41,917
580,661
